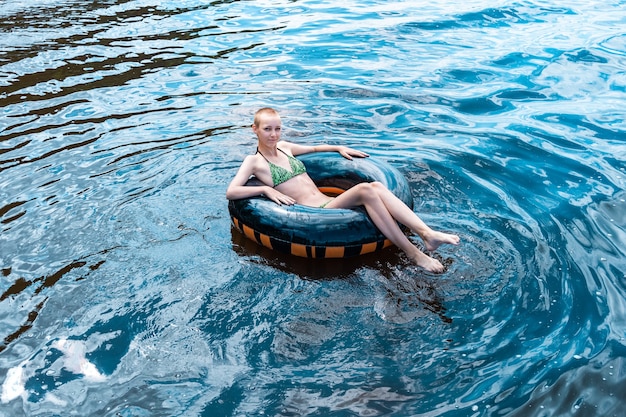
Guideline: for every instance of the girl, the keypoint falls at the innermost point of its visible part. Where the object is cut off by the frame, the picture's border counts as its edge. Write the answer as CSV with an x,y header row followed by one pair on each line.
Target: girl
x,y
287,182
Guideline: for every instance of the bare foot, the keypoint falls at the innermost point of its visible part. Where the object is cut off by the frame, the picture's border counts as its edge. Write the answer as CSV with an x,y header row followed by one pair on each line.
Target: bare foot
x,y
426,262
435,239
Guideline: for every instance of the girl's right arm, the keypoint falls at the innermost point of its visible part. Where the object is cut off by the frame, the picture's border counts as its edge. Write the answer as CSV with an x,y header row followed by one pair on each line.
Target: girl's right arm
x,y
237,189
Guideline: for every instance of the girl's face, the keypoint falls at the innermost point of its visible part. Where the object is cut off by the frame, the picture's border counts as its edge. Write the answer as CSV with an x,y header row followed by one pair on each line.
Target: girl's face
x,y
268,129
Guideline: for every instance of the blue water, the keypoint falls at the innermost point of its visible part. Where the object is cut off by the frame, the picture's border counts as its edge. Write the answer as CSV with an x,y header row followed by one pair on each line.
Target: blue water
x,y
126,293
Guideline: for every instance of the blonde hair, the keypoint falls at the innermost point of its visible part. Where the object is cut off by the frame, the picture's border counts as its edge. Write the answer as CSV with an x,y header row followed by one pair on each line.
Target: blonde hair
x,y
263,111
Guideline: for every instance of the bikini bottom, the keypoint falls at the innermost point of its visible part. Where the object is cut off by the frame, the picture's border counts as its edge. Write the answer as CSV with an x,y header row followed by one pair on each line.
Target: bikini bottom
x,y
326,203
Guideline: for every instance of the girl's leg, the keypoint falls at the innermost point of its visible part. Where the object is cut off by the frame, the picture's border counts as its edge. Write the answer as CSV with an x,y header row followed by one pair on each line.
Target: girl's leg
x,y
404,215
363,195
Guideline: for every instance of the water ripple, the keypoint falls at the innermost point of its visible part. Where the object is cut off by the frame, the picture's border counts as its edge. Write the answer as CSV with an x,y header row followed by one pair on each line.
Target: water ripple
x,y
124,289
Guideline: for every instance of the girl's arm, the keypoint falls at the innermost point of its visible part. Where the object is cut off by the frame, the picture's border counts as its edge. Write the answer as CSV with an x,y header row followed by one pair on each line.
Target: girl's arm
x,y
344,151
237,189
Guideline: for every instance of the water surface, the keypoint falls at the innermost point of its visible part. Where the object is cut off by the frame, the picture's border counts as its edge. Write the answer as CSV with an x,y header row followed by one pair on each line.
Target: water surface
x,y
126,293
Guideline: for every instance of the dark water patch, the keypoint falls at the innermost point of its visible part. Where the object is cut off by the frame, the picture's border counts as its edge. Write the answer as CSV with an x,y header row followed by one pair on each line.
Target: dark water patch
x,y
468,76
91,67
226,403
553,301
25,327
99,14
78,122
516,60
357,93
481,105
490,18
38,112
24,160
182,142
497,102
560,142
50,88
18,146
304,337
590,391
92,357
41,284
583,126
12,216
585,56
95,18
521,95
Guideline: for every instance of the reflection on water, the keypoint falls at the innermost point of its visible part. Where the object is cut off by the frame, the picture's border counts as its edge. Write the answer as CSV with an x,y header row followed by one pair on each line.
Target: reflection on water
x,y
125,291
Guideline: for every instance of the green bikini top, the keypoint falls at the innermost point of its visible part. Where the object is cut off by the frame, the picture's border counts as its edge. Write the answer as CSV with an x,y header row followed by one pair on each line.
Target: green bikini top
x,y
280,174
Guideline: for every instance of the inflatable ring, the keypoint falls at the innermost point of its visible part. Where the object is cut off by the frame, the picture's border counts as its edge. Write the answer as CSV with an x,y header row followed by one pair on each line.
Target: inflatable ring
x,y
314,232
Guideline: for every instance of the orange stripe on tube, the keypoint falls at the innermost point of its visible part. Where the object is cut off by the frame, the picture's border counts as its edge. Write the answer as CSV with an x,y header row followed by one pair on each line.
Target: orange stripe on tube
x,y
298,250
265,241
248,232
368,247
335,251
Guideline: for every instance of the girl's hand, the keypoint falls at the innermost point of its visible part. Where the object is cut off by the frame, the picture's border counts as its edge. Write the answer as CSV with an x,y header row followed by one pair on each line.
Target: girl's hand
x,y
278,197
348,153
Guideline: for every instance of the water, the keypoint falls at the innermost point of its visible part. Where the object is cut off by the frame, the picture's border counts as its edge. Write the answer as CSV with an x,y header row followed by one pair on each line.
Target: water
x,y
126,293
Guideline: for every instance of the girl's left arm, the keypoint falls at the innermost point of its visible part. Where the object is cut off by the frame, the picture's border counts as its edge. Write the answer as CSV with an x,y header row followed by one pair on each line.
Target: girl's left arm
x,y
344,151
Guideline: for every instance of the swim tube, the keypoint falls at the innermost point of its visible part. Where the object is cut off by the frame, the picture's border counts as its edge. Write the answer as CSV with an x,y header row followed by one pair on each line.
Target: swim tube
x,y
314,232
